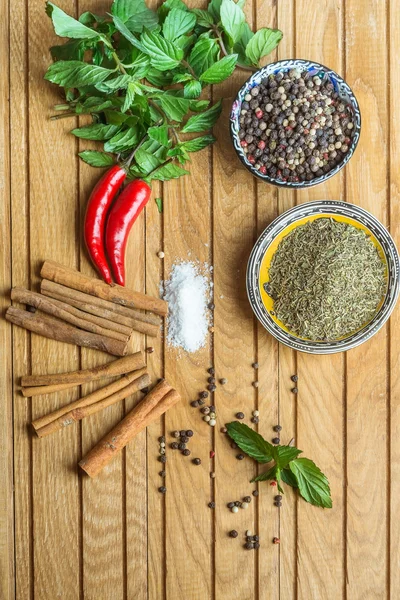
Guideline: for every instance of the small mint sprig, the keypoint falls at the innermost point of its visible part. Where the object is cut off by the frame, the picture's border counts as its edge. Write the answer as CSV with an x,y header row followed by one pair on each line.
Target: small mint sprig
x,y
301,473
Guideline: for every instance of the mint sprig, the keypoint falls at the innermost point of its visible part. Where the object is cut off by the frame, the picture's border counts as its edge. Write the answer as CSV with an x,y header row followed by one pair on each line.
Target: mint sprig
x,y
301,473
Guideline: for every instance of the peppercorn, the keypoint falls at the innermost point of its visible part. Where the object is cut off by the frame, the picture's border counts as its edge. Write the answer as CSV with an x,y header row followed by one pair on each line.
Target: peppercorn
x,y
276,440
278,504
223,381
196,461
162,473
277,428
237,503
204,394
233,533
234,445
182,446
234,509
195,403
240,456
189,433
161,439
249,545
294,390
211,380
174,445
205,410
255,384
256,545
223,430
256,538
184,439
211,370
162,489
255,365
175,434
278,498
212,387
186,452
212,453
244,505
150,350
240,415
247,499
230,504
211,504
211,305
162,458
255,420
212,475
200,402
276,540
212,408
255,493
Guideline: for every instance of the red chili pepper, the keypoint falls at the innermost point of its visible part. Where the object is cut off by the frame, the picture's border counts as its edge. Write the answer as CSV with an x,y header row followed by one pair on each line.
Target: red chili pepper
x,y
122,216
95,219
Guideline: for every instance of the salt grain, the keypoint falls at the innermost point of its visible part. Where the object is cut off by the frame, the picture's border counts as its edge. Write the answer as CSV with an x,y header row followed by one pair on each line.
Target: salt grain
x,y
187,292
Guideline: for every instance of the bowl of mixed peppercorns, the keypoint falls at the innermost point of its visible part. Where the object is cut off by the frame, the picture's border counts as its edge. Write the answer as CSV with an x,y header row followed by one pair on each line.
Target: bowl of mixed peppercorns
x,y
295,123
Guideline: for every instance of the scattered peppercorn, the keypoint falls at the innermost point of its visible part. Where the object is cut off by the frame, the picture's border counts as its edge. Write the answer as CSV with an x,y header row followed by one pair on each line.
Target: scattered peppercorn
x,y
211,380
256,545
223,430
240,456
237,503
211,370
294,390
276,440
189,433
150,350
249,546
256,413
174,445
161,439
247,499
194,403
184,439
212,453
223,381
182,433
176,434
211,306
277,428
255,420
211,504
212,475
278,498
240,415
256,538
204,394
196,461
205,410
233,533
162,489
212,387
273,483
235,509
233,445
278,504
186,452
255,365
230,504
182,446
162,473
294,378
162,458
244,505
255,493
276,540
200,402
212,408
255,384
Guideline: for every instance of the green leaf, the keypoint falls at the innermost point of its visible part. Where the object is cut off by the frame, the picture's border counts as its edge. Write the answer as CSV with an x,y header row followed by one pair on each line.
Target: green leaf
x,y
288,477
262,43
146,161
204,18
167,172
192,89
123,29
221,70
88,18
313,484
251,442
241,44
204,120
267,475
135,14
175,108
163,54
66,26
130,95
155,148
198,105
112,85
96,159
214,8
72,50
198,143
284,454
159,203
91,105
159,134
159,78
184,42
182,77
232,18
124,140
76,74
96,131
177,23
204,54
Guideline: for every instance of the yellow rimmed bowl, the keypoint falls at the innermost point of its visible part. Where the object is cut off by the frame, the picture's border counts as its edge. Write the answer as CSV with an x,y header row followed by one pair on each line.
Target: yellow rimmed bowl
x,y
260,259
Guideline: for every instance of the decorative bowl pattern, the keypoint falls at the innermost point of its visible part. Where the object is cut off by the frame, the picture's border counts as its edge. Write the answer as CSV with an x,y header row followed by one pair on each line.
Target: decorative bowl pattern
x,y
313,68
288,220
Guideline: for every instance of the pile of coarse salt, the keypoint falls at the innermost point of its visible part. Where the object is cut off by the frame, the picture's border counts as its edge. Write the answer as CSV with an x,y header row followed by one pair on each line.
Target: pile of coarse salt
x,y
187,292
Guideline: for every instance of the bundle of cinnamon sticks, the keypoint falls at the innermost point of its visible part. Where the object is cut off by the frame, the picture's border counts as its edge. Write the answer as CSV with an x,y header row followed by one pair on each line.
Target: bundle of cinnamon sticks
x,y
78,309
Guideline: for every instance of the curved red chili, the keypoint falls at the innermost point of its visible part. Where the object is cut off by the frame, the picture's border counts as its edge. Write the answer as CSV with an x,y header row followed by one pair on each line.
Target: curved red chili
x,y
96,212
122,216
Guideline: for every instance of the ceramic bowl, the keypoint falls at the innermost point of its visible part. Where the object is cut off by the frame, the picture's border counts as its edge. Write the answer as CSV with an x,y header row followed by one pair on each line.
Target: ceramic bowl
x,y
313,69
266,245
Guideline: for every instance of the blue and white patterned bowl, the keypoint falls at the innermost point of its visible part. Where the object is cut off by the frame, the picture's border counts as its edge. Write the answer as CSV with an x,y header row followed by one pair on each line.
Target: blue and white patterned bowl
x,y
256,270
313,68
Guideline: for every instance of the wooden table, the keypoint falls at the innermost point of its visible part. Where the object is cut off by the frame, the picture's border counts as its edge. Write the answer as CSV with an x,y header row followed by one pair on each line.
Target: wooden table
x,y
116,537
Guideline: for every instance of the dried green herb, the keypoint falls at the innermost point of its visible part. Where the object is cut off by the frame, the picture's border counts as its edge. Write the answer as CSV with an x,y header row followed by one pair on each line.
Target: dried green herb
x,y
326,279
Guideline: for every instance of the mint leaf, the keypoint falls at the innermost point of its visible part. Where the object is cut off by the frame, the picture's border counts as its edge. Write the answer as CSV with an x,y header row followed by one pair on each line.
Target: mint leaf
x,y
72,50
185,41
262,44
251,442
214,8
198,105
221,70
96,159
118,83
175,108
232,18
159,203
123,29
91,105
204,18
66,26
284,454
192,89
313,484
267,476
204,120
203,55
288,477
97,131
241,44
160,134
198,143
131,91
182,77
167,172
74,73
177,23
124,140
135,14
163,54
146,161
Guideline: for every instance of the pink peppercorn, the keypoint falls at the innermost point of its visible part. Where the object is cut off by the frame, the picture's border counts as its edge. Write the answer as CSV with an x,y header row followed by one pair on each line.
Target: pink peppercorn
x,y
273,483
263,170
259,114
212,453
261,144
251,159
243,143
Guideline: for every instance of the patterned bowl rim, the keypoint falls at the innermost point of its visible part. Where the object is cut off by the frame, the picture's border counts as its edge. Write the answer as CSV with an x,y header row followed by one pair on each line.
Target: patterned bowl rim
x,y
342,87
302,211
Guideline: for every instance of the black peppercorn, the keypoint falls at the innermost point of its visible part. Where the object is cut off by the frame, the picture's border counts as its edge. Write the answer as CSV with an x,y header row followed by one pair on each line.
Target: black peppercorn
x,y
161,439
184,439
230,504
276,440
195,403
294,390
181,446
211,504
212,387
174,445
233,445
240,456
200,402
212,408
162,489
162,458
211,380
196,461
240,415
249,546
256,545
247,499
255,493
211,370
189,433
162,473
204,394
233,533
186,452
278,498
277,428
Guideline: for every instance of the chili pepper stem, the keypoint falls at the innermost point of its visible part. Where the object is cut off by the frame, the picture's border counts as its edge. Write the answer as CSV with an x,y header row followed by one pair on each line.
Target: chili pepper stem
x,y
64,116
131,156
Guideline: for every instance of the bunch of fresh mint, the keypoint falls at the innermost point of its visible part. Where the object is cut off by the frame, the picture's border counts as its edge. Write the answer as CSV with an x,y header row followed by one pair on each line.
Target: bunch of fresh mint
x,y
301,473
140,74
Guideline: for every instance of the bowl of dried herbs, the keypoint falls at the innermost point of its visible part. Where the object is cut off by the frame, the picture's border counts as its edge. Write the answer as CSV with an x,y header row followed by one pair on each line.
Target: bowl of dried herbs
x,y
324,277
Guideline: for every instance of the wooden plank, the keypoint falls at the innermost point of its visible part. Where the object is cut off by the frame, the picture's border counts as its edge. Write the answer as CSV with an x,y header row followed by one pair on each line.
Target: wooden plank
x,y
287,550
394,325
321,390
53,209
367,533
6,466
19,112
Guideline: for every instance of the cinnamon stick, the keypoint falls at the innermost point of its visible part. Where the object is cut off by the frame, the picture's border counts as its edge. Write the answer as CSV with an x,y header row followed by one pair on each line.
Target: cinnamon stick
x,y
129,363
54,329
157,402
96,306
63,312
114,293
90,404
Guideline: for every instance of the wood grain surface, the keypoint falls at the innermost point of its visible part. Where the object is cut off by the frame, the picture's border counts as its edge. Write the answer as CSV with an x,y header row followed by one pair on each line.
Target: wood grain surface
x,y
116,537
